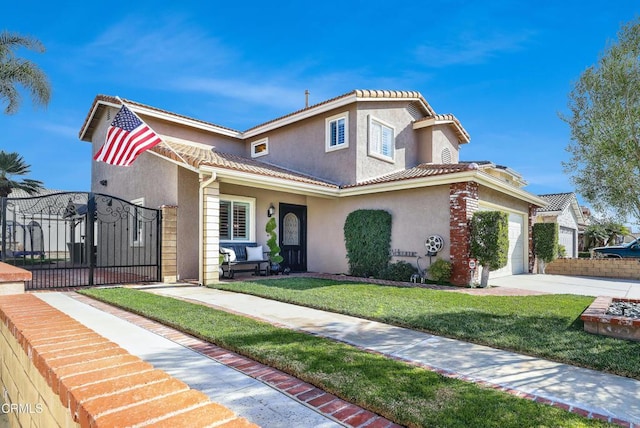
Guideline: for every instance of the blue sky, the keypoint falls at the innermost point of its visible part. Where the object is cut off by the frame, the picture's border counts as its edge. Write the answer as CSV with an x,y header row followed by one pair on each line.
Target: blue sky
x,y
504,68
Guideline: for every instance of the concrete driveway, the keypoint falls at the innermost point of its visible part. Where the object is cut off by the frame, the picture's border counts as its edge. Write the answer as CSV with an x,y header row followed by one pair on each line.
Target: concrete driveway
x,y
561,284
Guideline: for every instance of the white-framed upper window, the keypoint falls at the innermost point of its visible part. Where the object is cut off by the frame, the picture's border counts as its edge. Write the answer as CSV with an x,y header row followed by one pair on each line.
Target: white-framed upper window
x,y
382,139
136,224
337,132
237,219
260,148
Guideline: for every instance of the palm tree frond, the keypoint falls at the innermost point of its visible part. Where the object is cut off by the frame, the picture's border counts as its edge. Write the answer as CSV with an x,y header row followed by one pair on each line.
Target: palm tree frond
x,y
13,164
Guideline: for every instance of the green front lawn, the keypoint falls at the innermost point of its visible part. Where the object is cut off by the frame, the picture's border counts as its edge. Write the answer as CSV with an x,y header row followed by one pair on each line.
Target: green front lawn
x,y
546,326
403,393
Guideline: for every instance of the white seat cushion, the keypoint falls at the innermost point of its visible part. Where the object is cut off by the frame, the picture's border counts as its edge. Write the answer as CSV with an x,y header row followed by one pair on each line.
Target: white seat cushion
x,y
255,253
231,255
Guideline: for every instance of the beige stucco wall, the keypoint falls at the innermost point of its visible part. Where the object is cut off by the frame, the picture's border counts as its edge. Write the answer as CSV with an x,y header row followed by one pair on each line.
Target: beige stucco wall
x,y
149,176
396,116
263,199
416,214
509,203
301,147
432,140
444,137
222,143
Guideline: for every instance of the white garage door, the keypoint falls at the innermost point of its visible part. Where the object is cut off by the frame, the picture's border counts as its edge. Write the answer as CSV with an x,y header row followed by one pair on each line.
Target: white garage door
x,y
567,238
516,261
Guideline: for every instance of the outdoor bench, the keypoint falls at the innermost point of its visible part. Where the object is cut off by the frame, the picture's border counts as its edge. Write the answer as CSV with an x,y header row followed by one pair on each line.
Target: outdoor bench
x,y
243,257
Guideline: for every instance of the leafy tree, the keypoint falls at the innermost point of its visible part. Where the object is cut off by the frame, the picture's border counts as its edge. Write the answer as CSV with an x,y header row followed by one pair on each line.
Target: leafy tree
x,y
12,164
605,127
490,241
16,71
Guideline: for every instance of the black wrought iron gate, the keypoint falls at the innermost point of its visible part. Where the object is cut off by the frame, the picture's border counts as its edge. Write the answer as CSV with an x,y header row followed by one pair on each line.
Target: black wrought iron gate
x,y
71,239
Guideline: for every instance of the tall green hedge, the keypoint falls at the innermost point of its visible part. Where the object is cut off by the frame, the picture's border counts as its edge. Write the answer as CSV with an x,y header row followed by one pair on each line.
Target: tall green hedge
x,y
490,238
545,241
367,235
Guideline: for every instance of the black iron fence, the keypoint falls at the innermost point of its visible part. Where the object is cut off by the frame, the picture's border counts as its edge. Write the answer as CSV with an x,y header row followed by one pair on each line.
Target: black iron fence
x,y
70,239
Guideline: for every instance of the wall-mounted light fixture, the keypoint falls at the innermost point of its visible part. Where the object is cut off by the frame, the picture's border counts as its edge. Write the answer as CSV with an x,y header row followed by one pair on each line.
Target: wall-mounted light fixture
x,y
103,182
271,210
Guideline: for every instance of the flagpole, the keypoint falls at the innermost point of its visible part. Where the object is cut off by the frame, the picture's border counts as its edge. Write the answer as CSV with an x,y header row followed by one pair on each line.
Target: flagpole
x,y
163,141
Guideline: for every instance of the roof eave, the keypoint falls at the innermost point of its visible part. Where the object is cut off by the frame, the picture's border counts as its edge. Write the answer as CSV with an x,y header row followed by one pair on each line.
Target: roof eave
x,y
153,113
349,98
457,127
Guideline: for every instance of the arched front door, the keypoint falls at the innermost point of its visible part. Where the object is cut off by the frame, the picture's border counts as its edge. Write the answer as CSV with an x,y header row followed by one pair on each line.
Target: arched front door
x,y
293,236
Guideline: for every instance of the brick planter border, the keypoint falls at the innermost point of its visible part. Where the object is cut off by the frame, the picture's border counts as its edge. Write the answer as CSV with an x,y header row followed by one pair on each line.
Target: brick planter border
x,y
596,320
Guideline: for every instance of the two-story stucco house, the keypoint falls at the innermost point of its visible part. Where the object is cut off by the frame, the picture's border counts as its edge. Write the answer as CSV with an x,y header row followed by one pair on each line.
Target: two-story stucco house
x,y
365,149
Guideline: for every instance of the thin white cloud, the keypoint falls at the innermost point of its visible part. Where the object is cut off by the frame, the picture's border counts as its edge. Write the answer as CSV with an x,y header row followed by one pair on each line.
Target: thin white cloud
x,y
154,48
471,48
62,130
258,93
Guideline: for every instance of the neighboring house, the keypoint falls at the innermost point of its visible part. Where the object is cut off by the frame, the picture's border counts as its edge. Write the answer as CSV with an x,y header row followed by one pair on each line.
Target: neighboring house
x,y
563,208
365,149
35,227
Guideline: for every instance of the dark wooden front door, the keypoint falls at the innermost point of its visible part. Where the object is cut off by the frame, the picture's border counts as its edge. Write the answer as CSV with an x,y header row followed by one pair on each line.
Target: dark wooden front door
x,y
293,236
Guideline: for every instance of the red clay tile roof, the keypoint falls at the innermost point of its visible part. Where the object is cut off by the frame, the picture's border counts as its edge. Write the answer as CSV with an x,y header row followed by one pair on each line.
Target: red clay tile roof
x,y
199,156
420,171
359,93
462,133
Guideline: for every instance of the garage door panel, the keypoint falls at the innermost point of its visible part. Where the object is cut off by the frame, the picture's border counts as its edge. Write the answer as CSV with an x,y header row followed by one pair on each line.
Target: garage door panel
x,y
567,239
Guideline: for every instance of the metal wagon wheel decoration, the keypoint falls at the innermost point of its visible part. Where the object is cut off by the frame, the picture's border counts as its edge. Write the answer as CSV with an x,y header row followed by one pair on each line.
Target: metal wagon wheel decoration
x,y
434,244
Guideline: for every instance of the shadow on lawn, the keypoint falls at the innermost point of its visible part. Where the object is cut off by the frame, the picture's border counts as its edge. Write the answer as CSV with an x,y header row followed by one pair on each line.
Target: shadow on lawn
x,y
549,337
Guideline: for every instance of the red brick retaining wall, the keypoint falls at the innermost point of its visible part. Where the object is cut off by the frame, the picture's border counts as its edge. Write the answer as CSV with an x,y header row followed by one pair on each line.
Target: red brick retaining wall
x,y
12,279
56,371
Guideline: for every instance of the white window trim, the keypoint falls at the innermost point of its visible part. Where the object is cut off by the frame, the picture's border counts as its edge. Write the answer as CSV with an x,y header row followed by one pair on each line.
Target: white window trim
x,y
133,226
327,132
264,141
369,140
252,217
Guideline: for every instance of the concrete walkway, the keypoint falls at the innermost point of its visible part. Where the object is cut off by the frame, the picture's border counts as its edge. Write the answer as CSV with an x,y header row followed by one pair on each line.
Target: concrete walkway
x,y
563,284
585,391
246,396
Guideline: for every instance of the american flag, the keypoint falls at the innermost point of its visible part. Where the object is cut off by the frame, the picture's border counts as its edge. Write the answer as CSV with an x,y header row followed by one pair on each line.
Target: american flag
x,y
127,137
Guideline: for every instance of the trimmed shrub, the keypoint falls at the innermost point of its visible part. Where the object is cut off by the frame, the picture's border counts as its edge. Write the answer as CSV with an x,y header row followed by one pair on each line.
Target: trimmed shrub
x,y
490,241
399,271
367,235
272,242
545,241
440,271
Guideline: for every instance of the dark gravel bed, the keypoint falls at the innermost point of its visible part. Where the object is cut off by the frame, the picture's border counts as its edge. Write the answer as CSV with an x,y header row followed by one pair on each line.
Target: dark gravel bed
x,y
624,309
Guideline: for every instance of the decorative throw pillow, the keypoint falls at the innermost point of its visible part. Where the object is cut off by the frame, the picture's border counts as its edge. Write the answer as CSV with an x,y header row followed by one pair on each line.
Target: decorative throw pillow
x,y
231,255
254,253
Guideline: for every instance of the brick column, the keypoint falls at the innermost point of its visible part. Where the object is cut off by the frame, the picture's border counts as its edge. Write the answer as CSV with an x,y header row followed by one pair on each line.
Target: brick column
x,y
211,234
169,243
463,202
